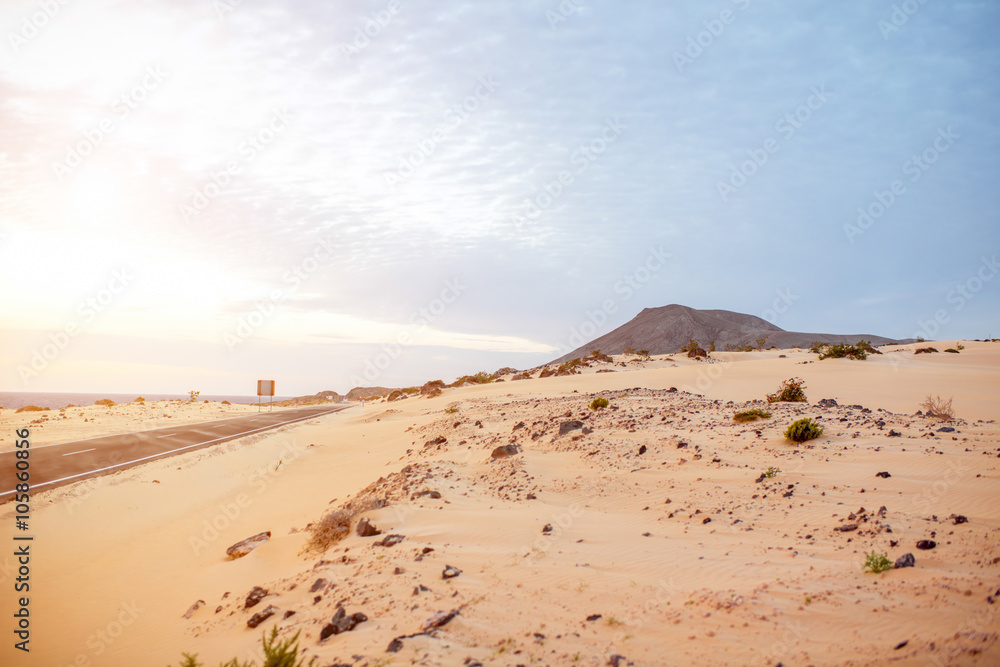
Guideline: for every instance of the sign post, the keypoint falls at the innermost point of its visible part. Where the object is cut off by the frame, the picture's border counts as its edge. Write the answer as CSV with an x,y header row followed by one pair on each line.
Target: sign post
x,y
265,388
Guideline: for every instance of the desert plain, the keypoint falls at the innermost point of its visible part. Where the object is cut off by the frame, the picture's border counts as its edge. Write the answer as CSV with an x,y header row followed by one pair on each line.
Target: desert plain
x,y
516,525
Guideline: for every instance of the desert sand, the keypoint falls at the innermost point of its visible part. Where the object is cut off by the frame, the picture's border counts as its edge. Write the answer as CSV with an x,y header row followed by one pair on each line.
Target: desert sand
x,y
640,536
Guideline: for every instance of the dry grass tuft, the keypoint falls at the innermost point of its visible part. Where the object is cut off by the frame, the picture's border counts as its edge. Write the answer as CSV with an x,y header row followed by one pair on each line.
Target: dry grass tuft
x,y
938,407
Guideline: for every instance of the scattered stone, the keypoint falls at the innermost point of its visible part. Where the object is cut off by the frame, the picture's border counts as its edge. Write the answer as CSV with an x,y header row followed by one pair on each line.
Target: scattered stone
x,y
547,529
288,614
428,493
390,540
262,616
518,425
681,445
450,572
847,528
244,547
440,619
761,478
707,519
906,560
395,646
946,429
883,475
193,608
570,426
366,528
619,660
318,585
901,644
504,451
341,622
894,434
957,519
926,544
642,450
827,403
594,617
399,570
255,596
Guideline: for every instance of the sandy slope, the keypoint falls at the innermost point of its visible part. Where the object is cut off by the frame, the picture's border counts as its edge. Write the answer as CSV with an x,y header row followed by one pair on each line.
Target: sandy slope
x,y
117,561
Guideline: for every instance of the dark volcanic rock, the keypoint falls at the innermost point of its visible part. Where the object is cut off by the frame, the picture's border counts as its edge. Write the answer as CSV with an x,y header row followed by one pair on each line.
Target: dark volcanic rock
x,y
366,528
642,450
390,540
450,572
440,619
827,403
504,451
946,429
906,560
570,426
341,622
262,616
956,519
318,585
847,529
894,434
883,475
255,596
926,544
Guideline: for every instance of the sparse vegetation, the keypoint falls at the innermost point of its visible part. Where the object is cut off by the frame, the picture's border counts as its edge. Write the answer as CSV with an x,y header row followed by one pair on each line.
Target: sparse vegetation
x,y
30,408
938,407
106,401
960,346
952,350
194,395
644,354
846,351
283,653
482,377
925,350
791,390
771,472
751,415
876,562
599,403
711,346
759,343
803,430
451,411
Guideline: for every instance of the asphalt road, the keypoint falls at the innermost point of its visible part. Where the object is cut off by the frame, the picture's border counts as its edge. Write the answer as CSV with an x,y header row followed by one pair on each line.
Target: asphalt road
x,y
63,463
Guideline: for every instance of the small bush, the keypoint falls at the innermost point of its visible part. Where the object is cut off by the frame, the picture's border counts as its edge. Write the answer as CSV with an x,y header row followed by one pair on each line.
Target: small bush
x,y
771,472
802,430
844,351
451,411
105,401
952,350
791,390
739,347
938,407
194,395
924,350
276,654
960,346
598,403
644,354
751,415
876,563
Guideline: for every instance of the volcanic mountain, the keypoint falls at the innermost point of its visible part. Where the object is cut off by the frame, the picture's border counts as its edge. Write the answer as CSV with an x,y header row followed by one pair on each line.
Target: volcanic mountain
x,y
666,329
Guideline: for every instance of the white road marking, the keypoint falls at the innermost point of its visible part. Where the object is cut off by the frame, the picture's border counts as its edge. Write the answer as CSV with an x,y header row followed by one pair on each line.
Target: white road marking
x,y
165,436
82,451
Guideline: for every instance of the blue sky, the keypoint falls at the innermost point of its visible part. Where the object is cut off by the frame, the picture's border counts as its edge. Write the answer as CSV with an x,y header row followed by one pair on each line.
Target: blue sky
x,y
194,195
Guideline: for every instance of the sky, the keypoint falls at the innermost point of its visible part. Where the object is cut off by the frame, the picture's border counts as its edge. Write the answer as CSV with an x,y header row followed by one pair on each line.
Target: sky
x,y
198,195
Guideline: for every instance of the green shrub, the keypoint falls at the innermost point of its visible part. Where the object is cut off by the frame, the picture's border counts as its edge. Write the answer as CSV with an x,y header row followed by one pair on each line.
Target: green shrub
x,y
740,347
802,430
598,403
952,350
875,562
791,390
771,472
924,350
751,415
451,411
960,346
644,354
276,654
843,350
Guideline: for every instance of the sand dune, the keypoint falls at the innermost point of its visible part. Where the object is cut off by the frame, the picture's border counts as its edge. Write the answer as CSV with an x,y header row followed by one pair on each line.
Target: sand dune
x,y
575,550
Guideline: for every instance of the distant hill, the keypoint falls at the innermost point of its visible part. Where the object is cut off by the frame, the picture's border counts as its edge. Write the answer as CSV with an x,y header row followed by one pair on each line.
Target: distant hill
x,y
316,399
666,329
